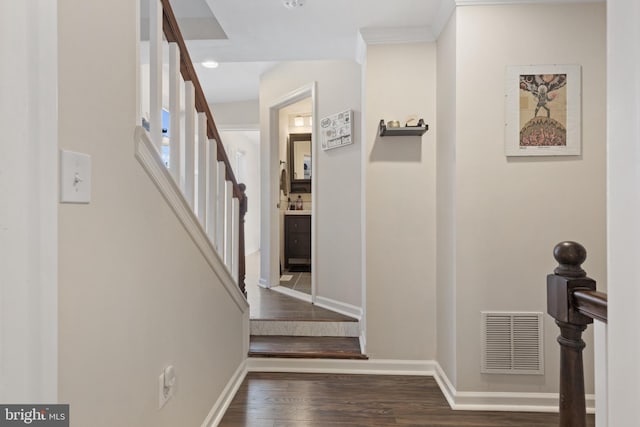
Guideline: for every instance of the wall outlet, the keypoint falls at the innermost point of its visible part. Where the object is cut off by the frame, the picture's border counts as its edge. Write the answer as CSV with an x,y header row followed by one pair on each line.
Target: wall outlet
x,y
166,386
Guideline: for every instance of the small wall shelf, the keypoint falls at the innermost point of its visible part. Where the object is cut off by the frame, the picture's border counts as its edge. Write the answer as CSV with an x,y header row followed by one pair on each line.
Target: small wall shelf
x,y
418,130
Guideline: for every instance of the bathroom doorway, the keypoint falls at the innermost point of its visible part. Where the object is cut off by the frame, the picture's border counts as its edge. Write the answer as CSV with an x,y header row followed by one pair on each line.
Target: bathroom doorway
x,y
290,255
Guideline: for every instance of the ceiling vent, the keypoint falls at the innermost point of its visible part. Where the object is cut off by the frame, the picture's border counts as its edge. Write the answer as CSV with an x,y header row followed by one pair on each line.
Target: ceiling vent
x,y
512,343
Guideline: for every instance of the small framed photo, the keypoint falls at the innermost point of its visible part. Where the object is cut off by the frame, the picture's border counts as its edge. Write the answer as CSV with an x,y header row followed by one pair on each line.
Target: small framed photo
x,y
336,130
543,110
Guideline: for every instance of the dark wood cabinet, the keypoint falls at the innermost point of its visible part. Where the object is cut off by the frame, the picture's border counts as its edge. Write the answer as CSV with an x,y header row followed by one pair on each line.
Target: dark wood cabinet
x,y
297,241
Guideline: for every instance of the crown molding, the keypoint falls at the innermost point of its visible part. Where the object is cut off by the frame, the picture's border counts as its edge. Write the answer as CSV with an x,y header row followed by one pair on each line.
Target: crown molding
x,y
447,7
444,13
510,2
392,35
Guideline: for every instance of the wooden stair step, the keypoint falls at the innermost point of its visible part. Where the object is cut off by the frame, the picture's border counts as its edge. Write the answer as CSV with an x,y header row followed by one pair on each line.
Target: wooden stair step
x,y
305,347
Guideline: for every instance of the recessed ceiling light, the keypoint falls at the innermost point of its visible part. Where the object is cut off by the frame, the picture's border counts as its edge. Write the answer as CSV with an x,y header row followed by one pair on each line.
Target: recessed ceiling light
x,y
209,64
292,4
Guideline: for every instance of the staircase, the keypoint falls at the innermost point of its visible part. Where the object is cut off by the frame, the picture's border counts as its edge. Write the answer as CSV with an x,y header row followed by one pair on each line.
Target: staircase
x,y
284,326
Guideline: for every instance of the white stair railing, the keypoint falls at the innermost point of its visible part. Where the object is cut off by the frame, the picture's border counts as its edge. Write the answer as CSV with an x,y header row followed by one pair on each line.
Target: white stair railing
x,y
204,175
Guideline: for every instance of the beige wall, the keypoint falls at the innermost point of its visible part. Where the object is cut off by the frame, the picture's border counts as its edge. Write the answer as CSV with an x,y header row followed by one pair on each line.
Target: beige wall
x,y
400,203
510,212
246,169
135,294
336,172
236,115
445,199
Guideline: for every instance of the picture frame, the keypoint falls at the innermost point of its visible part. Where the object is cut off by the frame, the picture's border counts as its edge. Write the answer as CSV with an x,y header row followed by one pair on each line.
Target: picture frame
x,y
543,110
336,130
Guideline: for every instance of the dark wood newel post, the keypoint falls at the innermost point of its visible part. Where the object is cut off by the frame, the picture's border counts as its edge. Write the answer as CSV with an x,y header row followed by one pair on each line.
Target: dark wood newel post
x,y
241,255
568,278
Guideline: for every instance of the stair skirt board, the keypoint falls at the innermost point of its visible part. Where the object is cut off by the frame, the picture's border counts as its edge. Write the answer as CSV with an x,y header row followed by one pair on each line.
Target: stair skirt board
x,y
299,328
463,401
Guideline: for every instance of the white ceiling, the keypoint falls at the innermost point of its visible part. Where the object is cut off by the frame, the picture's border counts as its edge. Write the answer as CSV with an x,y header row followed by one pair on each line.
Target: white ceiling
x,y
247,37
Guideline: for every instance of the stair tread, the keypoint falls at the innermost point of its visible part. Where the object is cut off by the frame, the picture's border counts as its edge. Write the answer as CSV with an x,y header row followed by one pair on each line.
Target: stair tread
x,y
268,304
305,347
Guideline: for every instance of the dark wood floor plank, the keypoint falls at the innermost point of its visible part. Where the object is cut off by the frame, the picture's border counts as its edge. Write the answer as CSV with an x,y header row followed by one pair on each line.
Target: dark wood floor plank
x,y
267,304
332,400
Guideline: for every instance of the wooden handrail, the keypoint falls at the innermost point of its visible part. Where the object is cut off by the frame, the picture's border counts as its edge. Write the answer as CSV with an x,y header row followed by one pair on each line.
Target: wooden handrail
x,y
573,301
173,34
592,304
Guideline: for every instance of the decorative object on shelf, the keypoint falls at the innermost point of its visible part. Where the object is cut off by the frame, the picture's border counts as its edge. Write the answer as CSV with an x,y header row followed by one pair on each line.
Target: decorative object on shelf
x,y
543,110
336,130
387,130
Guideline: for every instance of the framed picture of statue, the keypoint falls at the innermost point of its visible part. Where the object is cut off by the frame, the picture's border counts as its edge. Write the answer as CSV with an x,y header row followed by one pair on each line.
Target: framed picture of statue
x,y
543,110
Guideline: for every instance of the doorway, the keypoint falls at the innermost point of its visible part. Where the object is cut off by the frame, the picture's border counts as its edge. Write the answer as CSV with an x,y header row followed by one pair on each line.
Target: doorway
x,y
290,199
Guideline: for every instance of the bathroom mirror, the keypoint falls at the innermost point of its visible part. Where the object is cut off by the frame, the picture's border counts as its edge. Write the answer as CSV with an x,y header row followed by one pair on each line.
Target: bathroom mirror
x,y
300,162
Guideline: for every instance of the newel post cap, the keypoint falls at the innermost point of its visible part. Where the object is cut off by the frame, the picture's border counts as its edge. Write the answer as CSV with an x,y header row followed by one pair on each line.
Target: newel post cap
x,y
570,256
568,276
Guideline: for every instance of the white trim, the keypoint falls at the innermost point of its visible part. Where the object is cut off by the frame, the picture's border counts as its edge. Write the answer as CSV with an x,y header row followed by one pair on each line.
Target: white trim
x,y
264,283
446,387
239,127
447,7
151,161
458,400
443,15
292,293
361,49
600,361
339,307
394,35
155,72
29,250
500,401
363,341
270,259
228,393
515,2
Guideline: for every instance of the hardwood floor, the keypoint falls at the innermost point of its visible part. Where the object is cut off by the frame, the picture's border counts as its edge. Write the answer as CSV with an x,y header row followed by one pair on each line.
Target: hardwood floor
x,y
328,400
305,347
298,281
266,304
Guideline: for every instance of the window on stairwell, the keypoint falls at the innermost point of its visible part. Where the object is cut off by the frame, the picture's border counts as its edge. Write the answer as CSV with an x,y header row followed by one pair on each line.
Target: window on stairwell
x,y
166,136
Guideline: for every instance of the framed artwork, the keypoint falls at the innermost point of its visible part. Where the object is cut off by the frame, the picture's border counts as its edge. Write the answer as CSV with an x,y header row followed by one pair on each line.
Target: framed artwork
x,y
336,130
543,110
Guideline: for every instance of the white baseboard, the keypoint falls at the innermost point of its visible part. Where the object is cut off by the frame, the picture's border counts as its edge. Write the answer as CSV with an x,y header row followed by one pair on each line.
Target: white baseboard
x,y
458,400
264,283
363,342
220,407
501,401
339,307
290,292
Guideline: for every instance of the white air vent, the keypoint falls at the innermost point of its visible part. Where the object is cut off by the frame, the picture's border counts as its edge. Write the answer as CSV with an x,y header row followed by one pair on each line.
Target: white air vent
x,y
512,343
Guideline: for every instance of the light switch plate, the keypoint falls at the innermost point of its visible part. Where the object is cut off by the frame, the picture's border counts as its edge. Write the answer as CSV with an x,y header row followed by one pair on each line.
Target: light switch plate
x,y
75,177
